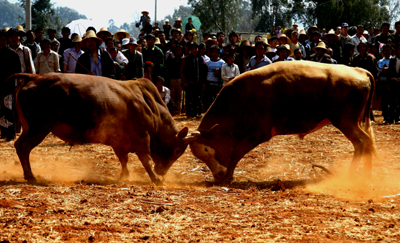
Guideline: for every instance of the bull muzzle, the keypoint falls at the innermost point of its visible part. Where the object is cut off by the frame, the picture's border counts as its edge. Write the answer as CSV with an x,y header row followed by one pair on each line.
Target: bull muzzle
x,y
220,172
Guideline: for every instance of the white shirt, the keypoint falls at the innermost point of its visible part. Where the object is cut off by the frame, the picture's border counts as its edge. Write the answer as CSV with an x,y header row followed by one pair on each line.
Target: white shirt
x,y
357,41
165,94
228,72
122,58
70,61
397,64
25,57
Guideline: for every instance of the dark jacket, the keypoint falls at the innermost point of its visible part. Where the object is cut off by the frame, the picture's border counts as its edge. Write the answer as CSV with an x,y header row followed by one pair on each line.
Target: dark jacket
x,y
9,65
134,69
368,62
155,55
392,69
325,58
188,70
107,64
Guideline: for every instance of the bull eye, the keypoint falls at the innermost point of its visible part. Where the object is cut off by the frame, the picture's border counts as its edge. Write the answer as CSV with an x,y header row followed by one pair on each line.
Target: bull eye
x,y
206,149
177,151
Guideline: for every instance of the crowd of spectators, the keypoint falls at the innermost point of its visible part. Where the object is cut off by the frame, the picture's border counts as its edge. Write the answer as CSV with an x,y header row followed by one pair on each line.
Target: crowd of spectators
x,y
189,75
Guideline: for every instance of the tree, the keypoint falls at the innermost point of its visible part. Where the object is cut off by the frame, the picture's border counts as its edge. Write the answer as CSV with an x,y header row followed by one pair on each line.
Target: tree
x,y
217,15
67,15
394,11
272,13
10,14
43,14
248,21
180,12
330,13
112,27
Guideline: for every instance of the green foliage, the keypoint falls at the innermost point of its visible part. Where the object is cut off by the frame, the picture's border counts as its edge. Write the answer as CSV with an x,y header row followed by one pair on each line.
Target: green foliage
x,y
217,15
10,13
67,15
272,13
181,12
394,11
331,13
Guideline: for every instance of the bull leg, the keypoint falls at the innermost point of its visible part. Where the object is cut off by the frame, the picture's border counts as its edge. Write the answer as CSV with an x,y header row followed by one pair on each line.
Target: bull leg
x,y
24,145
145,159
123,159
363,146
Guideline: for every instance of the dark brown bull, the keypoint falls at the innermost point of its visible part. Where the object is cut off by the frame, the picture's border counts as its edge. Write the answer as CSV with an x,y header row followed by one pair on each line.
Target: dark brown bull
x,y
128,116
286,98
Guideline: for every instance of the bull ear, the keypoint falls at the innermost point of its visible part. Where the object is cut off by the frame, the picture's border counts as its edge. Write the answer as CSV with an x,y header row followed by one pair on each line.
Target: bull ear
x,y
183,133
192,137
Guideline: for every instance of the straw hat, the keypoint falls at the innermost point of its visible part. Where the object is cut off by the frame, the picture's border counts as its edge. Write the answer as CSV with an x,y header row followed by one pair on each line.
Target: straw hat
x,y
214,41
104,30
321,45
157,41
285,47
287,38
145,12
77,39
269,50
20,28
332,32
176,30
295,24
288,32
178,20
6,29
127,35
90,34
265,41
303,32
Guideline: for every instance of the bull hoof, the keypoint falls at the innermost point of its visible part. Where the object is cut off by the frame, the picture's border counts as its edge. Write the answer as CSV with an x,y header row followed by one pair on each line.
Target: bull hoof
x,y
158,182
31,180
225,181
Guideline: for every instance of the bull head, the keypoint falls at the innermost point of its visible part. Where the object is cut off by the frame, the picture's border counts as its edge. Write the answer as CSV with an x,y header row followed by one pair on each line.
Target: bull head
x,y
193,136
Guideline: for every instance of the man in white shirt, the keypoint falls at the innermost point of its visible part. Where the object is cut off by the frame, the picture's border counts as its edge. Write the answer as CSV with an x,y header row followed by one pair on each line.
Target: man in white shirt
x,y
71,55
358,37
229,70
165,93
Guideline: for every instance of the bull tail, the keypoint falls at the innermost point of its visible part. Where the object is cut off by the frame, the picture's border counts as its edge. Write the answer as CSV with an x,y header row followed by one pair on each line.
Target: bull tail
x,y
367,117
14,83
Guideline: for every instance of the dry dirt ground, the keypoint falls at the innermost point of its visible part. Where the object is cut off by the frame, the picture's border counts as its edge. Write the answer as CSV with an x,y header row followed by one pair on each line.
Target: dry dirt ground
x,y
277,195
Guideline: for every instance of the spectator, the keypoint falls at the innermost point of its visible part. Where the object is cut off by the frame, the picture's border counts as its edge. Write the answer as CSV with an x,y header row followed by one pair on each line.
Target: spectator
x,y
278,32
221,40
193,75
71,54
303,39
156,27
359,37
338,30
144,20
344,38
104,34
334,44
65,41
284,53
397,34
47,60
52,36
176,34
120,35
330,52
320,54
385,37
316,39
165,93
153,54
167,28
296,44
164,46
148,70
189,36
9,65
233,39
260,59
24,53
245,53
295,27
394,84
174,65
141,35
121,57
189,26
178,24
229,70
214,81
31,44
382,85
39,33
297,54
118,64
135,65
271,54
348,54
284,40
95,61
202,52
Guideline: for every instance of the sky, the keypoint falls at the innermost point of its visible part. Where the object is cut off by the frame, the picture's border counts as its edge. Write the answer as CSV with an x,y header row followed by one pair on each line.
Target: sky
x,y
120,11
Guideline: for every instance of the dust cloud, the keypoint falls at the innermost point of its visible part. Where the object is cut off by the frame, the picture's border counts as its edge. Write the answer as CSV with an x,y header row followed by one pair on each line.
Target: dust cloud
x,y
357,188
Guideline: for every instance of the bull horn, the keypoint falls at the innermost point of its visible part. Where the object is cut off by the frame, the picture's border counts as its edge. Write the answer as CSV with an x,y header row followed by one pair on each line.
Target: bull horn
x,y
193,136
